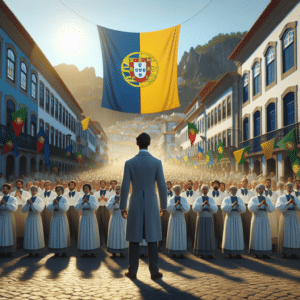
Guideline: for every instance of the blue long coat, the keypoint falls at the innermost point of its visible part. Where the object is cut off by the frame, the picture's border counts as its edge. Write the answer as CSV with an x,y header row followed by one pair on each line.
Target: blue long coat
x,y
143,170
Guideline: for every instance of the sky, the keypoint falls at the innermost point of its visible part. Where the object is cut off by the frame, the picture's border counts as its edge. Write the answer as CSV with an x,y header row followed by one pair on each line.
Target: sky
x,y
65,37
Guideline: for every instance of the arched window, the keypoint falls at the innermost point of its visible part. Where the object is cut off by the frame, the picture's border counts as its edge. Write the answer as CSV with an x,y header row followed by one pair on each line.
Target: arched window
x,y
271,117
67,119
246,129
41,95
52,105
256,78
224,139
64,119
270,65
23,76
11,64
41,124
224,109
216,115
208,121
212,118
289,109
228,137
56,109
219,113
245,88
47,131
203,125
288,50
33,125
33,86
10,108
256,123
60,113
228,106
47,101
52,136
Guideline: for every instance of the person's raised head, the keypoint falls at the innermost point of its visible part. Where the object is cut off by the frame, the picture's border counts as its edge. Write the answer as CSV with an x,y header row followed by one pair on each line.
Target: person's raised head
x,y
143,140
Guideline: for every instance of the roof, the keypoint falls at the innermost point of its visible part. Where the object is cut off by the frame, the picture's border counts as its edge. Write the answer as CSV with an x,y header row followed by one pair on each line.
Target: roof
x,y
38,51
261,19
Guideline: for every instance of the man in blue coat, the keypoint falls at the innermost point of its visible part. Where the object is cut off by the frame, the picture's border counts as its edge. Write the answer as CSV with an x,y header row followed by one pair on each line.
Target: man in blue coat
x,y
143,219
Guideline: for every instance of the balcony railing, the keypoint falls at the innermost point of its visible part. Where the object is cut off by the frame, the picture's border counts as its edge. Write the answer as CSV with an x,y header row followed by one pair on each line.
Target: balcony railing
x,y
255,143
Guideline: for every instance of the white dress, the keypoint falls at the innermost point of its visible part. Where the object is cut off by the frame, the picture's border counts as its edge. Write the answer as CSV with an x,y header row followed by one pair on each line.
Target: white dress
x,y
260,232
89,237
59,236
34,240
8,237
289,229
176,236
233,238
116,242
273,218
204,235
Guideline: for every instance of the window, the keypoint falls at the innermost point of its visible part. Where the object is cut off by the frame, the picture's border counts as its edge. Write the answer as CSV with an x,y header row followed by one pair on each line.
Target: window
x,y
208,121
64,119
52,135
256,78
60,113
224,139
224,109
212,118
203,125
41,95
47,130
270,65
216,115
11,63
216,142
67,119
219,113
246,129
228,106
256,123
56,138
220,137
289,109
33,126
245,88
10,108
229,138
56,109
64,141
271,117
288,50
25,126
41,124
47,101
33,86
52,105
23,76
59,140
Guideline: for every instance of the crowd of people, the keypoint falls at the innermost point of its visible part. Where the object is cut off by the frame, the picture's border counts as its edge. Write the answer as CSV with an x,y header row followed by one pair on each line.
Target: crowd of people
x,y
206,209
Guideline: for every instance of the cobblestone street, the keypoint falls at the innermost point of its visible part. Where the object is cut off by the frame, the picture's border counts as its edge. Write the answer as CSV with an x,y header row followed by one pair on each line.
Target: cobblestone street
x,y
189,278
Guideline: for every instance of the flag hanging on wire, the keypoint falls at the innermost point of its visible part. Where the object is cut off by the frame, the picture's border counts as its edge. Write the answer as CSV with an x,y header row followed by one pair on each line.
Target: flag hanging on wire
x,y
241,155
85,123
220,152
9,144
268,148
140,70
18,120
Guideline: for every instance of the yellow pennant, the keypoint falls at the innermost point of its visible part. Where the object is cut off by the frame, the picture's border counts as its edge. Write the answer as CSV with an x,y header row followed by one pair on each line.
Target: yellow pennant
x,y
85,123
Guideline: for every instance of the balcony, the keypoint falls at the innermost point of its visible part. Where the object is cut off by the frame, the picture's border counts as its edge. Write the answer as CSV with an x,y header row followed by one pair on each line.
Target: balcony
x,y
255,143
81,141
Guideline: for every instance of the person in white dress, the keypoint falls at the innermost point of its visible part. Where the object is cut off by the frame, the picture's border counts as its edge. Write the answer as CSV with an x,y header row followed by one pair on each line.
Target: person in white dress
x,y
34,241
245,194
233,238
289,230
223,190
260,232
89,237
8,236
59,236
280,189
204,206
116,242
176,235
73,215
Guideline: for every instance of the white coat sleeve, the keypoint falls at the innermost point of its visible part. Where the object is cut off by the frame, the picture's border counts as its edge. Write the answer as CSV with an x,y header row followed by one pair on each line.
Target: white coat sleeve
x,y
63,205
110,204
93,203
185,207
171,206
12,204
212,205
270,208
252,205
242,206
38,205
226,205
197,206
50,206
78,206
281,204
25,207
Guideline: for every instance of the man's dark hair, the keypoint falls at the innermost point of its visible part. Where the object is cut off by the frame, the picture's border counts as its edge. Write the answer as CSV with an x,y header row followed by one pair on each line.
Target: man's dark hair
x,y
190,181
143,140
217,181
114,181
103,181
268,179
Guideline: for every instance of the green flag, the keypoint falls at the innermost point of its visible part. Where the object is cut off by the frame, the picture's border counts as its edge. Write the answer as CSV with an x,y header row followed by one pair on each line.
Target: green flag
x,y
288,143
220,151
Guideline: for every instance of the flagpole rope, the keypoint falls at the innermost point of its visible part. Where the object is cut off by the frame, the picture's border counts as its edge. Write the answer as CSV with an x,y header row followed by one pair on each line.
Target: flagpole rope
x,y
99,25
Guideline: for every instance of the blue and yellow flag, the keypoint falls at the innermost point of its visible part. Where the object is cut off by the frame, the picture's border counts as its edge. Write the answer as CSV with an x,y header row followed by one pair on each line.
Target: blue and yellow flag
x,y
140,70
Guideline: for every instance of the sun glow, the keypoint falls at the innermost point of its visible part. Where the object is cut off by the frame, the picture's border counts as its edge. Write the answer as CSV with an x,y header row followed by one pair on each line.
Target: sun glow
x,y
70,39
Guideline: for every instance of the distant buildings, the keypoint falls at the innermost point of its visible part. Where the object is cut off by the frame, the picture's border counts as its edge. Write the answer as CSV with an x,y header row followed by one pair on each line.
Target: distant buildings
x,y
28,79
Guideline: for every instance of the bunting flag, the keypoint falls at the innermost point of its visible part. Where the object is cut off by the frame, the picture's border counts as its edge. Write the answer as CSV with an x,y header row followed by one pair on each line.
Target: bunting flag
x,y
140,70
175,160
18,120
40,140
268,148
241,155
288,143
171,161
55,168
192,132
79,156
10,144
209,158
85,123
68,151
185,158
220,152
296,167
